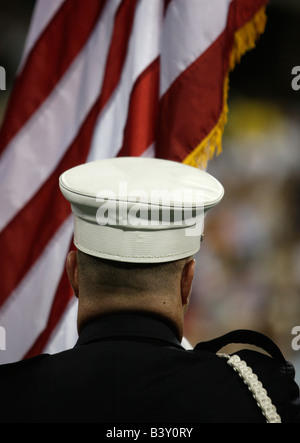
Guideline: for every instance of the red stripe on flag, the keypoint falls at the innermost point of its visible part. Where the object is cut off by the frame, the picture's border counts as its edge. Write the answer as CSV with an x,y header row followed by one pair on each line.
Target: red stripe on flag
x,y
188,112
61,300
167,2
33,227
184,120
140,128
48,61
118,49
242,11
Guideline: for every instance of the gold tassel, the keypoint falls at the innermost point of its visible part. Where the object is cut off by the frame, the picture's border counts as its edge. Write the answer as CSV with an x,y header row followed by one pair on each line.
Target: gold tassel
x,y
244,40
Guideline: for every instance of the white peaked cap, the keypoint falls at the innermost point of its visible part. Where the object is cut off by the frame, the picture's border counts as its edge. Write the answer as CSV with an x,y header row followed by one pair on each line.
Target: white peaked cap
x,y
139,210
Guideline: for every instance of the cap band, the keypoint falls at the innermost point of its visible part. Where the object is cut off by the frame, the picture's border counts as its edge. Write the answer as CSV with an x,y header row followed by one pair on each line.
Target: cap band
x,y
147,246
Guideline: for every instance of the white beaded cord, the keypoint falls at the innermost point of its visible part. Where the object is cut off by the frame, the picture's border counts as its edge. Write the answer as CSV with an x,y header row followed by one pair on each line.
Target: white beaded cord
x,y
255,387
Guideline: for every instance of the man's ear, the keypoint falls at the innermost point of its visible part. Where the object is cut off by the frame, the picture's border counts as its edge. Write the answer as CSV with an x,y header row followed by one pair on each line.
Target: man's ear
x,y
72,271
187,277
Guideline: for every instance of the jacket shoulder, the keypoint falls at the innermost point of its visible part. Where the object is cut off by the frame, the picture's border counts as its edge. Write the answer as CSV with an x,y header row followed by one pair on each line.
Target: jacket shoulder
x,y
245,337
21,366
268,371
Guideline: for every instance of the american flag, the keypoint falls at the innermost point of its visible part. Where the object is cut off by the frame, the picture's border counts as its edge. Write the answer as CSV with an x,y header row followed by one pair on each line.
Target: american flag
x,y
99,79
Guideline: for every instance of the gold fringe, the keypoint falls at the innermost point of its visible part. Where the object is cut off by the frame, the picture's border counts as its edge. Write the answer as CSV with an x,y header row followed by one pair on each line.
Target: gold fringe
x,y
244,40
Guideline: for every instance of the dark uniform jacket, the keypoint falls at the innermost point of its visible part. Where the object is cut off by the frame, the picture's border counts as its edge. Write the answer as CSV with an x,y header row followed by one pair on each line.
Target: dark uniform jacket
x,y
131,368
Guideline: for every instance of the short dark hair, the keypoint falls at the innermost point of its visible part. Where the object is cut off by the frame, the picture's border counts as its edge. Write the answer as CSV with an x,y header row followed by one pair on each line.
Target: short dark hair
x,y
98,272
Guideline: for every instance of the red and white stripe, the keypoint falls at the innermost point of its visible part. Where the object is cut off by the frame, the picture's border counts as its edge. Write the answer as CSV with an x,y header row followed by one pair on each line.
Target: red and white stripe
x,y
97,79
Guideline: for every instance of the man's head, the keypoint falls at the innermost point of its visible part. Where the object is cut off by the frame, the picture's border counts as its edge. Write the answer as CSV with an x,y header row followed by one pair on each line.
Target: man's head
x,y
104,286
137,223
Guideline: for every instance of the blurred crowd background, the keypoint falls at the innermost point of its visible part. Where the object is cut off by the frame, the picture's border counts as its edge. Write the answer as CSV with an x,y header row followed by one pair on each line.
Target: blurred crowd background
x,y
248,269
